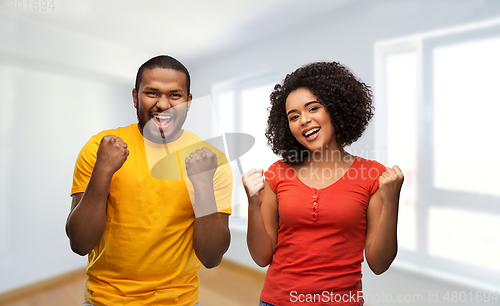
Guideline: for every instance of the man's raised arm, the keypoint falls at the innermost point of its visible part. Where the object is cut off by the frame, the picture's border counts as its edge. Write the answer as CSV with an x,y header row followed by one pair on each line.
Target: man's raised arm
x,y
87,218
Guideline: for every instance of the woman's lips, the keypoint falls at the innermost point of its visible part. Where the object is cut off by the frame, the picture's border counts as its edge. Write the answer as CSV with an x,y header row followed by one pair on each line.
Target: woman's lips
x,y
313,134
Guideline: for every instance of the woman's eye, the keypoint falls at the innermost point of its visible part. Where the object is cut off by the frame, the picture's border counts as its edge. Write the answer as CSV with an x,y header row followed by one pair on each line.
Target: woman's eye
x,y
313,109
294,118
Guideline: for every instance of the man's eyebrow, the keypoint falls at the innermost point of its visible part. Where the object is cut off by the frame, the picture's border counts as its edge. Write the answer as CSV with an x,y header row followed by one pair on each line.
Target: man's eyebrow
x,y
305,105
148,88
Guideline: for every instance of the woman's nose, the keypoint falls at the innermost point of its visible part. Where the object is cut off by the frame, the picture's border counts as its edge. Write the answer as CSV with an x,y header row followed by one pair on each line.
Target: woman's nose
x,y
305,119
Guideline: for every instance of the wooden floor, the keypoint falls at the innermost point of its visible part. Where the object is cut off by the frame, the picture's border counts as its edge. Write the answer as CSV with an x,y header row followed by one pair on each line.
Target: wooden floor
x,y
229,284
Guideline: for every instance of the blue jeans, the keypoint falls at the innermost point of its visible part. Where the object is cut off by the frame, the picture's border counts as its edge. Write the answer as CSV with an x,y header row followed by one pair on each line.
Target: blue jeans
x,y
86,302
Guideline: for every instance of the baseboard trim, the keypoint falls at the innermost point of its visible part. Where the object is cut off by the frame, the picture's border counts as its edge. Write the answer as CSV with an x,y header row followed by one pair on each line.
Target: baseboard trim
x,y
40,285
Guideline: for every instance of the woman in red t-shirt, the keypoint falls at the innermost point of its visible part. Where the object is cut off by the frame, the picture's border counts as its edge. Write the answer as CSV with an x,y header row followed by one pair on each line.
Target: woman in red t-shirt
x,y
319,206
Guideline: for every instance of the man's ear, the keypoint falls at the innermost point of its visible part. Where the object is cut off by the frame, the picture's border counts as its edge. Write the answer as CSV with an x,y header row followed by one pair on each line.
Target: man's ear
x,y
134,96
190,98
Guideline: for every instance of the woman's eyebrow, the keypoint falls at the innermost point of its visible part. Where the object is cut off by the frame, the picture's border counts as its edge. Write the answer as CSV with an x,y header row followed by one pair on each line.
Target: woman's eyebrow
x,y
305,105
311,102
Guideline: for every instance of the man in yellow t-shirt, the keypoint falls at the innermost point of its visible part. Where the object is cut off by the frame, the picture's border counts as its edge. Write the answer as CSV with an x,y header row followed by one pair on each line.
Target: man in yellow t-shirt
x,y
150,200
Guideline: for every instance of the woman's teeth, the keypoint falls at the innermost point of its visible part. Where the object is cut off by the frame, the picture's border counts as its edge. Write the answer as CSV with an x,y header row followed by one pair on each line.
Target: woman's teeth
x,y
311,132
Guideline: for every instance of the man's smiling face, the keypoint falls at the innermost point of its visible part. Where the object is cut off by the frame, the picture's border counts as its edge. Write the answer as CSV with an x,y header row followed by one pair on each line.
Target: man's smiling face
x,y
162,98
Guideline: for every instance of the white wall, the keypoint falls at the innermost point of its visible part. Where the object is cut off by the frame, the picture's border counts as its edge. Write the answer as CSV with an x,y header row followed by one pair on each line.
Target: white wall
x,y
56,91
349,38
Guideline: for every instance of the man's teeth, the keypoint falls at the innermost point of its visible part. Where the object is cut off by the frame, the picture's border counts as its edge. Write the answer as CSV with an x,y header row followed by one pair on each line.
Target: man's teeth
x,y
310,132
164,117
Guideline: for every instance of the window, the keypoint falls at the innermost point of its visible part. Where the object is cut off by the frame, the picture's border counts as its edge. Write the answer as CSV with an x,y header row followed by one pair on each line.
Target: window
x,y
437,107
241,107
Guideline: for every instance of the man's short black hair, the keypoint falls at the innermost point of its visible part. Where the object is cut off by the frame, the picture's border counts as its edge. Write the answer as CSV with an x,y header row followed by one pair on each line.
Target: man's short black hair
x,y
165,62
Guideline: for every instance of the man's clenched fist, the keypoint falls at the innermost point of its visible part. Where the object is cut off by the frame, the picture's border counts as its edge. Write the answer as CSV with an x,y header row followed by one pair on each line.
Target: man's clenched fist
x,y
201,165
112,153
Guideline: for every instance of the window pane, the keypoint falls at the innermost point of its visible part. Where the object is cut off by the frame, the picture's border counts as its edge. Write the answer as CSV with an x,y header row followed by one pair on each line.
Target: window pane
x,y
253,120
242,109
225,103
466,108
401,103
477,243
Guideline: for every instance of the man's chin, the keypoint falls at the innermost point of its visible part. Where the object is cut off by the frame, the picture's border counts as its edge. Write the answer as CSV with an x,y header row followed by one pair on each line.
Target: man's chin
x,y
156,135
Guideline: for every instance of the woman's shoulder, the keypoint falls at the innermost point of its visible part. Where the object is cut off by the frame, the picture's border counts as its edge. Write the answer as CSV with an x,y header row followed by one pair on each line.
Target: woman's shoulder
x,y
278,170
367,170
279,165
277,173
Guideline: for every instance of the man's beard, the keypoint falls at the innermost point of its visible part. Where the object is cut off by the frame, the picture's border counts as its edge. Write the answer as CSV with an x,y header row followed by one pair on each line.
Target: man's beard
x,y
142,125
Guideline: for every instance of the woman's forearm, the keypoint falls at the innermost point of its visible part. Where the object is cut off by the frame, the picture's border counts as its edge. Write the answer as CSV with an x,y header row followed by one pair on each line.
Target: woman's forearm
x,y
383,248
259,242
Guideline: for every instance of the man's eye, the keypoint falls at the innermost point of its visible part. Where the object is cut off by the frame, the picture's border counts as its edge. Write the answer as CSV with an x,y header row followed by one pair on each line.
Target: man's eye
x,y
175,95
151,93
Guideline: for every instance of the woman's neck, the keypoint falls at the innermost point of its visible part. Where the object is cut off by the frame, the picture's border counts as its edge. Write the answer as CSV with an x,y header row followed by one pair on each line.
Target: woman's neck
x,y
333,155
333,164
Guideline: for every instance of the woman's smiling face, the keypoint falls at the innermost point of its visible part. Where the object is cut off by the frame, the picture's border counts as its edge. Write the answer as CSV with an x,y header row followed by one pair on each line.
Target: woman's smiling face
x,y
309,120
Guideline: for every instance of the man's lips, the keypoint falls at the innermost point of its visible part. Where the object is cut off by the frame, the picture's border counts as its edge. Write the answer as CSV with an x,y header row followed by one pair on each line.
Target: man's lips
x,y
162,121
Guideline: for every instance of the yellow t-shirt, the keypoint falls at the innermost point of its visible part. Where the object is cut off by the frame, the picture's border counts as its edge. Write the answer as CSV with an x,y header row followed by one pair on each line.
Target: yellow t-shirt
x,y
146,255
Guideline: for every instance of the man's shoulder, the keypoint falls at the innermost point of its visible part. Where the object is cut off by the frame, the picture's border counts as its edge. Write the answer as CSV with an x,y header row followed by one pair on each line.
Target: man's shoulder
x,y
124,131
215,145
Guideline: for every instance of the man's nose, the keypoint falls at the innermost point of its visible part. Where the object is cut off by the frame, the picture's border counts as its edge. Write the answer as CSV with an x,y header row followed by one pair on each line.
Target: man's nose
x,y
163,103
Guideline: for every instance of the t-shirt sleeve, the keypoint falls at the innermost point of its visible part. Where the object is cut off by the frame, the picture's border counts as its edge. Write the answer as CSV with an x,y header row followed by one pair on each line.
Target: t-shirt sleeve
x,y
223,185
376,170
271,176
84,165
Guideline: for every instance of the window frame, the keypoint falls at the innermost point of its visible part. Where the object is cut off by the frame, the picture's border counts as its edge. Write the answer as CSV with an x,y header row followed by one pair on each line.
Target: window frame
x,y
237,86
428,196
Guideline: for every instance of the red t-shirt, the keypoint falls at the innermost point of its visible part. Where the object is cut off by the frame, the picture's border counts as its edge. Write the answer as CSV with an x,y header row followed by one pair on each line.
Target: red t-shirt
x,y
321,236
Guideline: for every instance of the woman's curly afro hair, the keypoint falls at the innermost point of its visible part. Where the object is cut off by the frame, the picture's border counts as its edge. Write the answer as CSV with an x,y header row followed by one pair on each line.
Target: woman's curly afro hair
x,y
348,101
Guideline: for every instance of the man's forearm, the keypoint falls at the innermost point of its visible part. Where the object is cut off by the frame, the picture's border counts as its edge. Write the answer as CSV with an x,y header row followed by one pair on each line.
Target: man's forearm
x,y
87,220
211,239
211,236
